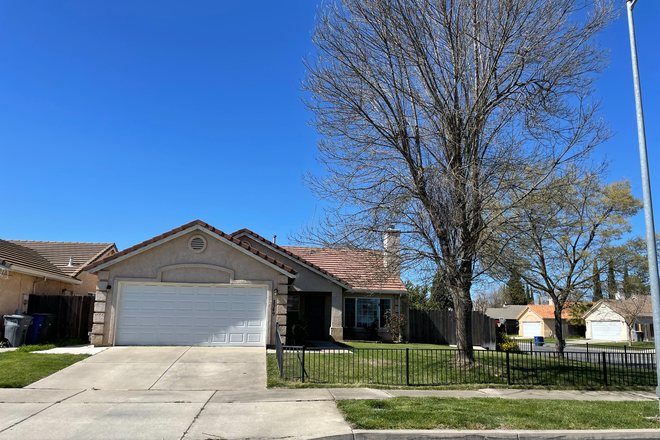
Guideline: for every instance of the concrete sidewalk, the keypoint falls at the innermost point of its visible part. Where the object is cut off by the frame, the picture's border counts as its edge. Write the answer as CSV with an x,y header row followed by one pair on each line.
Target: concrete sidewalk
x,y
236,414
210,393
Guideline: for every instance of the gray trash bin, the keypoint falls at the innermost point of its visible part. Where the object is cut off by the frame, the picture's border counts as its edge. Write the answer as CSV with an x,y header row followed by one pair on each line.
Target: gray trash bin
x,y
637,336
16,327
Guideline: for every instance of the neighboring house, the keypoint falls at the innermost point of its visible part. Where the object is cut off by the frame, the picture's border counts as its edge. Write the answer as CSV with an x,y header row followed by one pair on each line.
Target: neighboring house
x,y
536,320
196,285
45,268
507,317
605,320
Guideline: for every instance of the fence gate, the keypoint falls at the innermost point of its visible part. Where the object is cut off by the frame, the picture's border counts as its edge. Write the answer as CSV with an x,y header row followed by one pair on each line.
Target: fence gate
x,y
74,314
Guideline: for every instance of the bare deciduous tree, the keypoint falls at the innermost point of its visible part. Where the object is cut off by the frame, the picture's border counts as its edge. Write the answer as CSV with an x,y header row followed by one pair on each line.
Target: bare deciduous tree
x,y
430,111
559,232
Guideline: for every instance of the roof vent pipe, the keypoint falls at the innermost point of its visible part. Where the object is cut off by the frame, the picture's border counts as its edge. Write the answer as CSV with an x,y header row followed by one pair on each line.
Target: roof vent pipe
x,y
274,239
70,262
392,248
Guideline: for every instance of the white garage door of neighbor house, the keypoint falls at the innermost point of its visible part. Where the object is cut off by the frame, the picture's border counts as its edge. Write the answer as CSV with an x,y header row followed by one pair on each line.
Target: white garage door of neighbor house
x,y
167,314
531,329
606,330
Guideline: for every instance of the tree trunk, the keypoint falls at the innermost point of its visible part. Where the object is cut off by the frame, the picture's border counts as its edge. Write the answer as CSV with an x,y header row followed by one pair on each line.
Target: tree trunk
x,y
463,314
559,331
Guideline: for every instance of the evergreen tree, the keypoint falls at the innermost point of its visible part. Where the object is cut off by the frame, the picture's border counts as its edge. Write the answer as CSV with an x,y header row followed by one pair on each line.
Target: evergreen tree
x,y
515,291
440,296
626,286
598,289
611,281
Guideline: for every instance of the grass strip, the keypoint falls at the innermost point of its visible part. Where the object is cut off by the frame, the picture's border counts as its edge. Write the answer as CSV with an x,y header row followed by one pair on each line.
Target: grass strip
x,y
21,368
496,413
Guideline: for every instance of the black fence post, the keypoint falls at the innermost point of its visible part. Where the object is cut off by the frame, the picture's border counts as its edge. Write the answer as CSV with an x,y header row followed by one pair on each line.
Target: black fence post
x,y
302,366
604,368
587,344
407,368
625,356
508,370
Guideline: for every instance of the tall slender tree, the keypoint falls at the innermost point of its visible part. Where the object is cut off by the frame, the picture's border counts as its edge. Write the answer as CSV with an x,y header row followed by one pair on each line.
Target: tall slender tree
x,y
612,287
515,291
598,290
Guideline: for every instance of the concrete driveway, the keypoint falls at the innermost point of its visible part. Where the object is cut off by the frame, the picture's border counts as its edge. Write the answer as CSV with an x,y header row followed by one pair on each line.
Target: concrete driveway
x,y
164,368
166,393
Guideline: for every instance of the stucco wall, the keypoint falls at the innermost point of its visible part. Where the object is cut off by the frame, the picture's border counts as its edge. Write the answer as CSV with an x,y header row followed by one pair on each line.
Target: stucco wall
x,y
605,313
175,252
547,327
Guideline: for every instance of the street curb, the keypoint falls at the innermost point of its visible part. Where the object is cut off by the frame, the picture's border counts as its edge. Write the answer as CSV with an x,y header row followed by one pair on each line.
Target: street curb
x,y
618,434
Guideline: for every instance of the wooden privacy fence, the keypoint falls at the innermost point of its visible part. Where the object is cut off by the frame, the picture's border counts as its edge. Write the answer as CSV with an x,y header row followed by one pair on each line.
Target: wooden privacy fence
x,y
74,314
439,327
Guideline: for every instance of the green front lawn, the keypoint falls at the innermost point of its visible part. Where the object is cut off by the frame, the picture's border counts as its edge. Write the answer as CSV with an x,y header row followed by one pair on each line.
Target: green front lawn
x,y
643,344
20,368
433,367
391,346
492,413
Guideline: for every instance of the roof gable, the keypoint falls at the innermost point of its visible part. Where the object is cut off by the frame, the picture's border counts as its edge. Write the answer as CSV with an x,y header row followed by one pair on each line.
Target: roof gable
x,y
353,269
286,252
545,312
184,229
626,306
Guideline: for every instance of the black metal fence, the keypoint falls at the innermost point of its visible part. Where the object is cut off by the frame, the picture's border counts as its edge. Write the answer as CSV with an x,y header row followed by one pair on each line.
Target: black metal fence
x,y
528,345
429,367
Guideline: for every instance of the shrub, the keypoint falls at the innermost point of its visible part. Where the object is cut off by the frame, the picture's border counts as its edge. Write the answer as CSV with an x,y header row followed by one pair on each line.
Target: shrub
x,y
394,323
506,343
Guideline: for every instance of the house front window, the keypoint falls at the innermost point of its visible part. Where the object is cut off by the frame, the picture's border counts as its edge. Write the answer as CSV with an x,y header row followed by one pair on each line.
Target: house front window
x,y
361,312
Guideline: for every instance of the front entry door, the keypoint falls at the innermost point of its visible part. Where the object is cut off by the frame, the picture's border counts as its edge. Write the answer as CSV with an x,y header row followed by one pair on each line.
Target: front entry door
x,y
315,313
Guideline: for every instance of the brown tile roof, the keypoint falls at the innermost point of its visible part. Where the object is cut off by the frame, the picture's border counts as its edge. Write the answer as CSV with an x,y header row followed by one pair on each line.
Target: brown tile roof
x,y
193,223
361,269
59,253
640,303
16,254
288,253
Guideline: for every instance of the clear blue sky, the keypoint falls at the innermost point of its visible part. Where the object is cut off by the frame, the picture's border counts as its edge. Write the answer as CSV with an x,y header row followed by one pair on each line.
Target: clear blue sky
x,y
121,120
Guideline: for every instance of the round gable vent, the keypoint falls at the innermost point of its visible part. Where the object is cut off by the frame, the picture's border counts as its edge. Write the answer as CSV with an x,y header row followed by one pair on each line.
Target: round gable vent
x,y
197,244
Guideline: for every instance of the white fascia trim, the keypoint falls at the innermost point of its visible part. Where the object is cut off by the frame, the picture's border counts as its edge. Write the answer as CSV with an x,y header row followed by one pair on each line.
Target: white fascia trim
x,y
39,273
284,254
184,232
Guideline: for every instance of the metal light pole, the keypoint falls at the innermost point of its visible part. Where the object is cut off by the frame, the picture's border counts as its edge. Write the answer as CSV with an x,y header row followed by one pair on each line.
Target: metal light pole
x,y
646,187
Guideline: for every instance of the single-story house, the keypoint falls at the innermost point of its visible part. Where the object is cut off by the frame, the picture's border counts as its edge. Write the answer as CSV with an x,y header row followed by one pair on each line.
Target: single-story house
x,y
537,320
196,285
506,317
606,319
46,268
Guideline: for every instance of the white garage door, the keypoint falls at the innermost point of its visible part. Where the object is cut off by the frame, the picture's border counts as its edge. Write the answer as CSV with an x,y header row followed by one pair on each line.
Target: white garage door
x,y
606,330
166,314
531,329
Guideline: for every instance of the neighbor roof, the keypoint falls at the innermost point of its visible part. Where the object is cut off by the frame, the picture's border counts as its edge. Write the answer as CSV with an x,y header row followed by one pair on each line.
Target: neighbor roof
x,y
508,312
16,254
59,253
361,269
182,228
626,306
546,312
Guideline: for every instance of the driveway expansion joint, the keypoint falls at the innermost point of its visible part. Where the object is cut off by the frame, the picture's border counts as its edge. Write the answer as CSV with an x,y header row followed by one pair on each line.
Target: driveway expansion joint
x,y
168,368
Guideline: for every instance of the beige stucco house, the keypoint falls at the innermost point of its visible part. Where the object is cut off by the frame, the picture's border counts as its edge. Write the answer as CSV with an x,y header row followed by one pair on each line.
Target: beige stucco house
x,y
605,320
45,268
538,320
196,285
